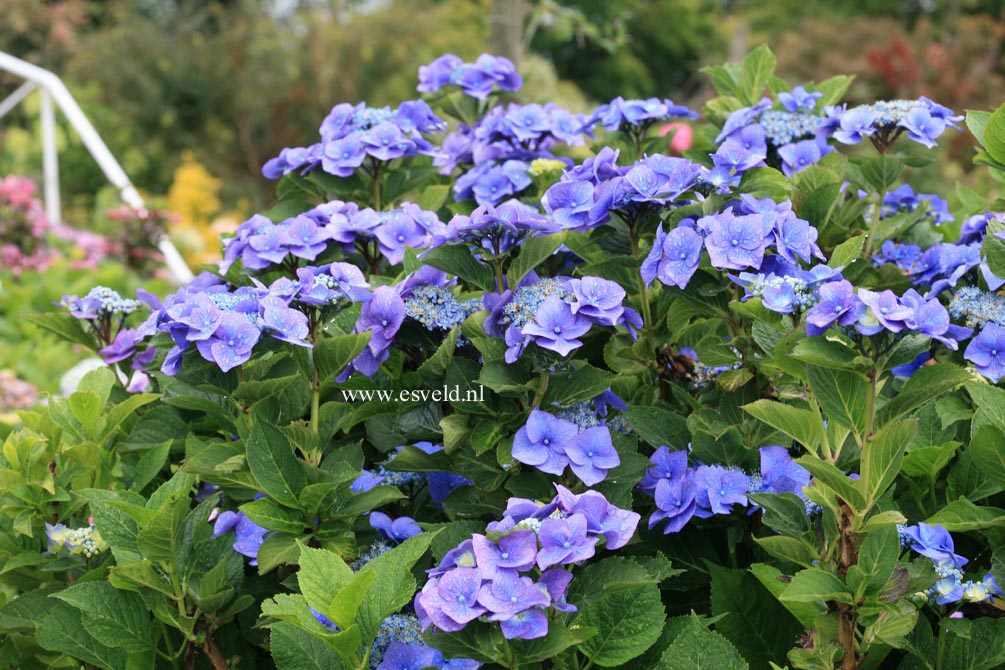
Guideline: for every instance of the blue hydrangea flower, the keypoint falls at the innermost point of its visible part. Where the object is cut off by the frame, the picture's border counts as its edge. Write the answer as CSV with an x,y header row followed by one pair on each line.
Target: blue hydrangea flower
x,y
556,327
674,257
397,530
734,242
719,489
933,541
676,502
542,442
250,535
987,352
799,99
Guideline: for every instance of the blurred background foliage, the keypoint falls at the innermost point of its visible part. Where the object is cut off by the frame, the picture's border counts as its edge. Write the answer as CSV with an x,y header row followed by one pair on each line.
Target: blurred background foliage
x,y
193,96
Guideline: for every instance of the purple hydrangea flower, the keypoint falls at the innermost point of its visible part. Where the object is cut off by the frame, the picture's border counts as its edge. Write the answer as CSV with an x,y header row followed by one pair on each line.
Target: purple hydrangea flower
x,y
509,593
250,536
564,541
542,442
597,299
591,454
838,304
719,489
514,551
799,99
676,502
923,127
556,327
231,343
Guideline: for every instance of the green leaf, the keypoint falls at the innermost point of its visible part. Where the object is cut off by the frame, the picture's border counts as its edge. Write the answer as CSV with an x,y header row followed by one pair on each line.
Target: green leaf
x,y
160,540
775,582
982,649
801,425
63,630
321,576
435,367
433,197
116,415
698,648
533,252
393,585
989,402
333,354
877,557
830,476
876,173
140,574
847,251
783,512
628,620
882,456
987,447
755,72
788,549
86,407
977,122
115,618
278,549
295,649
814,585
962,515
65,326
757,624
843,395
766,183
994,135
150,465
271,460
658,426
584,383
269,514
506,379
925,385
458,260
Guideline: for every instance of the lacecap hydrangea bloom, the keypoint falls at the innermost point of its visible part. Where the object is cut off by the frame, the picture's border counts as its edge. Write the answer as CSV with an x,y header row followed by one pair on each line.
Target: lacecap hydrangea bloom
x,y
518,572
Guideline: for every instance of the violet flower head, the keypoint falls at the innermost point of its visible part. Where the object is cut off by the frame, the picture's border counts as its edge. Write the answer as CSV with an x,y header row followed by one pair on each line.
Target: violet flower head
x,y
231,343
597,299
932,541
734,242
676,502
397,530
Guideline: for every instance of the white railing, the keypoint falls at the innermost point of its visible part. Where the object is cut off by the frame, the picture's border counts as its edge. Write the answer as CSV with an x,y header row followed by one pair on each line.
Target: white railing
x,y
52,90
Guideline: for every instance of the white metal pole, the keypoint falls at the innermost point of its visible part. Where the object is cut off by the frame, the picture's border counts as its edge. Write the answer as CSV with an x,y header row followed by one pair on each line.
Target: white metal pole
x,y
50,160
53,89
11,101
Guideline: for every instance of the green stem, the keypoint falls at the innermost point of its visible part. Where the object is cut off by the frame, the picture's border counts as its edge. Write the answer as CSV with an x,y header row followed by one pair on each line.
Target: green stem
x,y
375,187
647,315
874,217
940,654
542,388
500,282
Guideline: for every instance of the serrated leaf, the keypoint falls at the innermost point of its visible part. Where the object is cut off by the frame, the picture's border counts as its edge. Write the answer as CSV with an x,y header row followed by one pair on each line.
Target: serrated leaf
x,y
269,514
842,395
987,448
63,630
659,426
814,585
760,628
584,383
115,618
295,649
697,648
333,354
458,260
533,252
994,135
801,425
962,515
882,456
271,460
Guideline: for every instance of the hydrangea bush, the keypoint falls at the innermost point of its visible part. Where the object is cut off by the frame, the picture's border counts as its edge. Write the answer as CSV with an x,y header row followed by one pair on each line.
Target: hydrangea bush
x,y
502,385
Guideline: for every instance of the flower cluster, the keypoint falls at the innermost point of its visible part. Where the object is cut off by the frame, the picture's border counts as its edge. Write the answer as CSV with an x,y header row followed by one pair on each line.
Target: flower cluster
x,y
351,134
923,119
904,199
621,114
935,542
785,288
23,227
512,574
16,393
86,541
437,308
682,492
551,444
478,79
225,324
589,193
498,229
554,313
399,646
503,145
